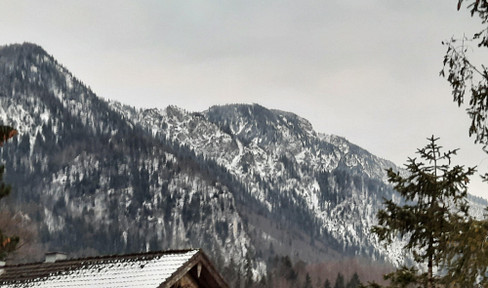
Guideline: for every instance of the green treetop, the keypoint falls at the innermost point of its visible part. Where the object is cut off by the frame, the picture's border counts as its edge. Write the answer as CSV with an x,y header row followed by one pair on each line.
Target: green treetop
x,y
434,204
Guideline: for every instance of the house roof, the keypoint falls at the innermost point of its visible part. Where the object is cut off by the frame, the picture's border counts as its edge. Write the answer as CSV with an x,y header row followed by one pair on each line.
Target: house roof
x,y
153,269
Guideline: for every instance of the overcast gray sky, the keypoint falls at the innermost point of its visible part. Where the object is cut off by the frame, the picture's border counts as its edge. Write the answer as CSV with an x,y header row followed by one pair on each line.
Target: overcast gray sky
x,y
366,70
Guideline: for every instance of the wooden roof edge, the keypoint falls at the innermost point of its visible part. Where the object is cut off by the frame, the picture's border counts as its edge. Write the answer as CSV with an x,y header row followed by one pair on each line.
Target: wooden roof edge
x,y
199,257
218,277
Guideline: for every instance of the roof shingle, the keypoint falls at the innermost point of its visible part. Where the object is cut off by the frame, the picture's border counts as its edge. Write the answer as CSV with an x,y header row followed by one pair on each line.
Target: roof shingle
x,y
137,270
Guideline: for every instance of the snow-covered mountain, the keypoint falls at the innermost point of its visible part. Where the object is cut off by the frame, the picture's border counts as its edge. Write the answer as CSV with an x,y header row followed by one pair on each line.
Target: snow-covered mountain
x,y
93,181
241,181
331,185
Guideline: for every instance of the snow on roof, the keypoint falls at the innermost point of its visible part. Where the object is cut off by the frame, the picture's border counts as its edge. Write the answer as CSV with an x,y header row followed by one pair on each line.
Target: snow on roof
x,y
136,270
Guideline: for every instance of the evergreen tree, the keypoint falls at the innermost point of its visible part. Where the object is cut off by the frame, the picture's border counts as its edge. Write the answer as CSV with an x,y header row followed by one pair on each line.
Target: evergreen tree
x,y
7,243
467,255
340,283
435,205
308,281
402,278
327,284
248,270
238,280
354,282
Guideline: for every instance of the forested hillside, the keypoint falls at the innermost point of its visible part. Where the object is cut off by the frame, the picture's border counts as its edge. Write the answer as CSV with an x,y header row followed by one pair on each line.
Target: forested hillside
x,y
252,186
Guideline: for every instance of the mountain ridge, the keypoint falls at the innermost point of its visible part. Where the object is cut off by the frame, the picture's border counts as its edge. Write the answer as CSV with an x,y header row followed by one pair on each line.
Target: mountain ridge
x,y
244,182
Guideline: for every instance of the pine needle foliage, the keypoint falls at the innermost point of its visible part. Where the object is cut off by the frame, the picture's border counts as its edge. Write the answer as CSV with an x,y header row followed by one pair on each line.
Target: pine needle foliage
x,y
435,202
467,255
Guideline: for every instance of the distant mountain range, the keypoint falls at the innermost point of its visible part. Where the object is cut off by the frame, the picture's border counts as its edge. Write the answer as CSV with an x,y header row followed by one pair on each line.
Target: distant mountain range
x,y
243,182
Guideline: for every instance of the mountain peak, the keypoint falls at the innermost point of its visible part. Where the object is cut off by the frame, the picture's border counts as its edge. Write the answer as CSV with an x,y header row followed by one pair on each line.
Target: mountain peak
x,y
23,49
255,122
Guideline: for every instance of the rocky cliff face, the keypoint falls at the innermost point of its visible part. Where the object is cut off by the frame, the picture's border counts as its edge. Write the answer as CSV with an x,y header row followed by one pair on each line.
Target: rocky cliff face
x,y
241,181
293,172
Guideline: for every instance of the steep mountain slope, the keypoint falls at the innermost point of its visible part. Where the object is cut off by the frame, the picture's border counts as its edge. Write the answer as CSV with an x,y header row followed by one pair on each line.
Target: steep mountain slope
x,y
94,181
244,182
319,186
